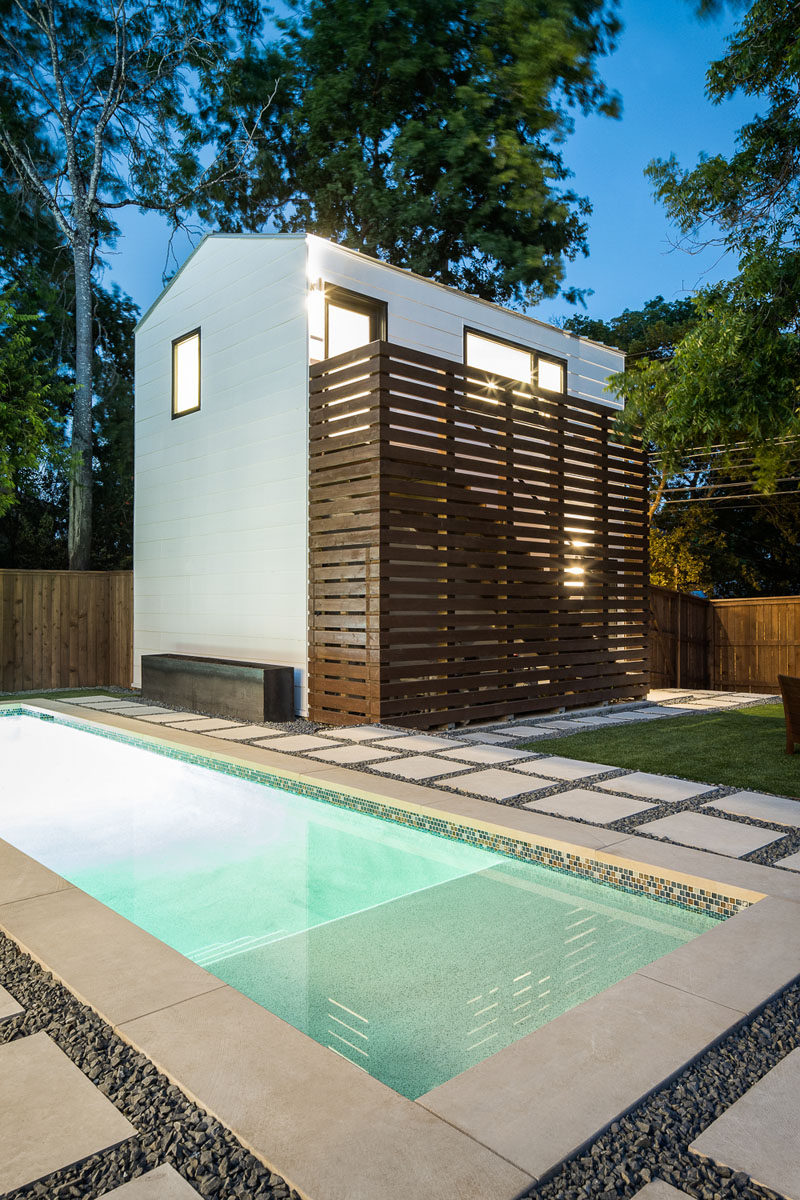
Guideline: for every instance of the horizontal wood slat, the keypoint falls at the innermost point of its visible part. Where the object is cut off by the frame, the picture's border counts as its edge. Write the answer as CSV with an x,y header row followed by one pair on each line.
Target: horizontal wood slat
x,y
448,513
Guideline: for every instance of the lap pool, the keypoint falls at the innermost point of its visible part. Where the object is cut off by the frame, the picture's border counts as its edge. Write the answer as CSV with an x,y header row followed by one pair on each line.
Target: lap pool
x,y
412,955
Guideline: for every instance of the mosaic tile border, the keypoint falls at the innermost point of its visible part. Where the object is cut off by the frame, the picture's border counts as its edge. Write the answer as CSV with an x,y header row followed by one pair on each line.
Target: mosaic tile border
x,y
622,878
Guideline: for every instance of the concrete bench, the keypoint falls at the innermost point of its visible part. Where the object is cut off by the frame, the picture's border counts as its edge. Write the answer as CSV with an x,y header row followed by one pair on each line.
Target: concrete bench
x,y
244,690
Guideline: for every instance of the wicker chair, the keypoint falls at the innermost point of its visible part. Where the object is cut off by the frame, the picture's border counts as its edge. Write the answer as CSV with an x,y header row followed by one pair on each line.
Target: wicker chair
x,y
790,691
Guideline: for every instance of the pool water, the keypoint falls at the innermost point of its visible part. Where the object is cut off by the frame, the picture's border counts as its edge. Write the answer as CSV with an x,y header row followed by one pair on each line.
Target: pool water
x,y
411,955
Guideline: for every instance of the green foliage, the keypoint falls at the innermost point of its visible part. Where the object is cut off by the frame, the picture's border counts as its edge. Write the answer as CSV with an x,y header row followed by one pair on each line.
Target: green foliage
x,y
734,377
651,332
429,135
28,391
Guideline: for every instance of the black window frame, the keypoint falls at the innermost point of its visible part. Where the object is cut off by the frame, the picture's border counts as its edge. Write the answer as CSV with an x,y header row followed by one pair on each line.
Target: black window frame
x,y
376,310
535,354
184,337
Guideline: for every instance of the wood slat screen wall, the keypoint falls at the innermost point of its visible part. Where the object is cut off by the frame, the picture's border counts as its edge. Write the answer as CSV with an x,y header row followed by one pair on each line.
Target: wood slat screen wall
x,y
476,551
61,629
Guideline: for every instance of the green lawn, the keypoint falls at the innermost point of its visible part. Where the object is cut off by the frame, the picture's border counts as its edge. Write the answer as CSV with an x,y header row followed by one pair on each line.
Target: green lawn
x,y
744,748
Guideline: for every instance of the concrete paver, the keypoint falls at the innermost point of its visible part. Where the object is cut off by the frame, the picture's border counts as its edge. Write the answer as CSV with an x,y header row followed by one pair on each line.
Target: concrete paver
x,y
563,768
162,1183
204,725
656,787
584,805
657,1189
423,766
276,1089
779,810
418,743
498,784
792,862
760,1133
98,953
50,1114
296,743
352,754
480,753
356,733
8,1005
172,715
566,1080
239,733
520,731
741,962
710,833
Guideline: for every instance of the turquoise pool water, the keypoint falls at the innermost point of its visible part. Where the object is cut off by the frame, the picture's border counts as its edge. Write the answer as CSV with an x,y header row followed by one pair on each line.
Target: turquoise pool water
x,y
413,956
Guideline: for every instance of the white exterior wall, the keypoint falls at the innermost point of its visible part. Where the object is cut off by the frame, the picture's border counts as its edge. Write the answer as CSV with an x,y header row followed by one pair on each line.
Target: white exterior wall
x,y
431,318
220,524
220,517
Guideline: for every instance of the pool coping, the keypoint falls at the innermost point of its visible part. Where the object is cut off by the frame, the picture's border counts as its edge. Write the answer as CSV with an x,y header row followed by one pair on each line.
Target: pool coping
x,y
332,1130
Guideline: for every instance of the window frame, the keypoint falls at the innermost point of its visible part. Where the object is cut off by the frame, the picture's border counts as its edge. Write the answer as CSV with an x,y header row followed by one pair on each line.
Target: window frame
x,y
534,353
376,310
184,337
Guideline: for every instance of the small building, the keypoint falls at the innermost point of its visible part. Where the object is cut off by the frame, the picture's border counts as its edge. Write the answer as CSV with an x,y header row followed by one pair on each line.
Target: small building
x,y
414,497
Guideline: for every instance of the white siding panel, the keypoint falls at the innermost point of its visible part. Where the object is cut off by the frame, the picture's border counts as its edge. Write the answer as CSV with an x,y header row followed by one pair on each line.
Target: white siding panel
x,y
221,495
431,318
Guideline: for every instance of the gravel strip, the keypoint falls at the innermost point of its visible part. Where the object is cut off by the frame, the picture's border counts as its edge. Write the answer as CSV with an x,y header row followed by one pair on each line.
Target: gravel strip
x,y
171,1128
652,1141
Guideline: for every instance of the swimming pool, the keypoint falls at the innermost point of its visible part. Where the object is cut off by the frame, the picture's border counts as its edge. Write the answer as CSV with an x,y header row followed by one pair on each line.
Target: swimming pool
x,y
413,956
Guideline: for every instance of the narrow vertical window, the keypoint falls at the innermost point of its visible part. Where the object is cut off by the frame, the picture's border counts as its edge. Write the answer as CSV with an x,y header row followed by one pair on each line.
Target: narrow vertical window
x,y
186,374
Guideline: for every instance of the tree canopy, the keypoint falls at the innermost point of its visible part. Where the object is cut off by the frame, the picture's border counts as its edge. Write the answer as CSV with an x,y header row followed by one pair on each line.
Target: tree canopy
x,y
734,378
99,109
430,134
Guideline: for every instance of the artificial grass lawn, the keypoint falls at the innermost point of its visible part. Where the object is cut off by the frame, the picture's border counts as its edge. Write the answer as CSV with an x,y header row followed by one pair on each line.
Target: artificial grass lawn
x,y
744,748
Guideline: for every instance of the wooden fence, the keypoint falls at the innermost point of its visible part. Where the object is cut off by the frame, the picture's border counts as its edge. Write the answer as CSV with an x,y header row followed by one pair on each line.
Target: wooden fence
x,y
62,629
732,645
476,550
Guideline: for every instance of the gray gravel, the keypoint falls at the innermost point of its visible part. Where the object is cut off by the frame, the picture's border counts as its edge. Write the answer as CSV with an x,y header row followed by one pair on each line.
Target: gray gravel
x,y
652,1141
171,1128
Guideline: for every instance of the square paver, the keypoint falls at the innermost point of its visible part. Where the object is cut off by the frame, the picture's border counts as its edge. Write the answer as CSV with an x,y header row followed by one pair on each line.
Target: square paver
x,y
8,1005
50,1114
419,743
356,733
242,733
792,861
143,711
529,732
656,787
758,1134
710,833
780,810
585,805
496,784
352,755
486,754
563,768
422,766
170,716
205,723
657,1189
496,738
296,743
164,1183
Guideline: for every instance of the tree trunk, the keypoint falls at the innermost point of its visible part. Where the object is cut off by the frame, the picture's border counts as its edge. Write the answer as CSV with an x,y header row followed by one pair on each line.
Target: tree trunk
x,y
80,480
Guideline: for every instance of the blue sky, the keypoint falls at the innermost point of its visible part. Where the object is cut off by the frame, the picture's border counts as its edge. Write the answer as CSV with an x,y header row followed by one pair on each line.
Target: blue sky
x,y
659,70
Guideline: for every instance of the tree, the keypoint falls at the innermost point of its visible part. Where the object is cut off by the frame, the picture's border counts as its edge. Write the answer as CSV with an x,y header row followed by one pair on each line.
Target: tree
x,y
734,379
110,97
28,391
429,134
